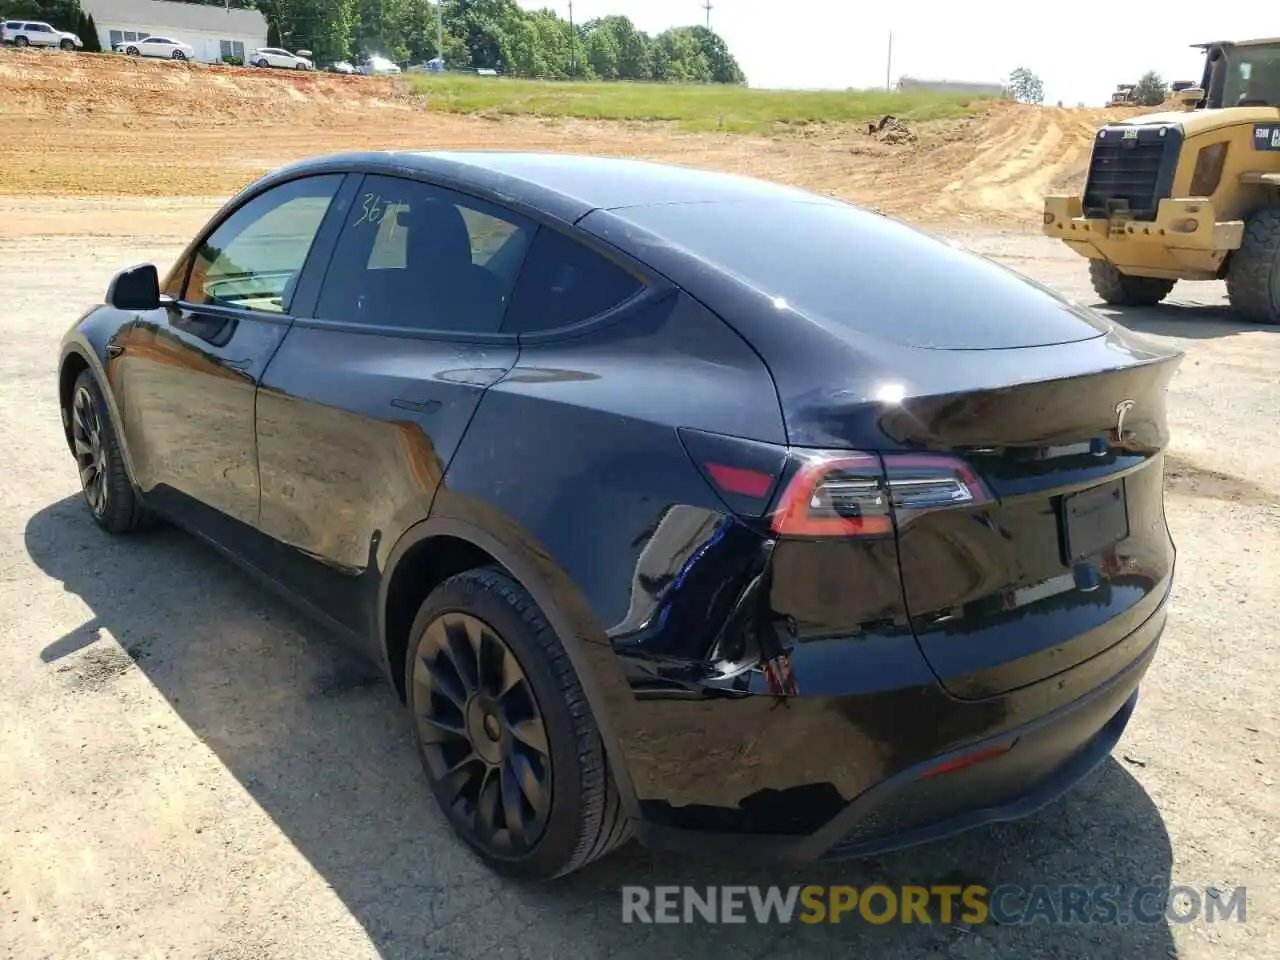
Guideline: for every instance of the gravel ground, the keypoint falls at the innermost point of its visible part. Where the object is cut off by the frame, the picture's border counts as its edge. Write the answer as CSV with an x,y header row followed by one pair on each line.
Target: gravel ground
x,y
191,770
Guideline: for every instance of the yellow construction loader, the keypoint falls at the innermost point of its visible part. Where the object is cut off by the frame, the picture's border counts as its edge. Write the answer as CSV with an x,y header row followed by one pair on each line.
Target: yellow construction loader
x,y
1192,194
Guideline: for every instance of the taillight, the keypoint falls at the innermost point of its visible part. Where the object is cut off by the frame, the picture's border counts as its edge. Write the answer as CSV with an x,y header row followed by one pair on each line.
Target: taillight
x,y
862,494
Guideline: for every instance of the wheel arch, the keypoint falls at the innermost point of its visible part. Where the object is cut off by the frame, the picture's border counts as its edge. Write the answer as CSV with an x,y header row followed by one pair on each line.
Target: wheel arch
x,y
593,658
78,356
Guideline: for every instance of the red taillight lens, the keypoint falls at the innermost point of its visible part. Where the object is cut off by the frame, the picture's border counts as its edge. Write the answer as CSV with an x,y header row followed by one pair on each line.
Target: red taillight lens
x,y
836,494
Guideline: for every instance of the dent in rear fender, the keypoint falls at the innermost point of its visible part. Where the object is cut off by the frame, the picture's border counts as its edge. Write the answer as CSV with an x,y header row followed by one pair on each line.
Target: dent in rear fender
x,y
575,455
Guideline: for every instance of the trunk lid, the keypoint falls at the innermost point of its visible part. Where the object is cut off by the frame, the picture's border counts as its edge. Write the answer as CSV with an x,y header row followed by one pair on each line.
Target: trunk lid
x,y
1068,552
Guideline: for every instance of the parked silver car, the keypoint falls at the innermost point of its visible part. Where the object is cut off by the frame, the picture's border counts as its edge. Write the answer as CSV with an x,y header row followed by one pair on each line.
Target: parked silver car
x,y
375,66
37,33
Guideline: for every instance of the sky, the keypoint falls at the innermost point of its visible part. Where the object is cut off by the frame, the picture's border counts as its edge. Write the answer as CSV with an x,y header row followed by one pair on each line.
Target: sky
x,y
835,44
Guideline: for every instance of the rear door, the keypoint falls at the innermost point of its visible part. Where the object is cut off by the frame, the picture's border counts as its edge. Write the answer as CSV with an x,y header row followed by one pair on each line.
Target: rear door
x,y
367,399
188,372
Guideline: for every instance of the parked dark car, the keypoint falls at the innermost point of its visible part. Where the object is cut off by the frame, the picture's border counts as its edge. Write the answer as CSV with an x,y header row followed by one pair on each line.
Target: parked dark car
x,y
672,503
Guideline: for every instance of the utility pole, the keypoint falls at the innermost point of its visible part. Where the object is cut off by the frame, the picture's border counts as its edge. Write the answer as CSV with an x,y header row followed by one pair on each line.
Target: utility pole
x,y
707,6
573,45
888,67
440,32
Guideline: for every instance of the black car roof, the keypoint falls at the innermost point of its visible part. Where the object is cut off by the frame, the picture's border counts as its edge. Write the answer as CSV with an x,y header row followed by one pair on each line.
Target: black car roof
x,y
565,186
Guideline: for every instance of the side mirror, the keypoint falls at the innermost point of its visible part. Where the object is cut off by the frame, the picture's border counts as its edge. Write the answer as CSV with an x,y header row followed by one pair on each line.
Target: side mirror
x,y
137,288
1188,98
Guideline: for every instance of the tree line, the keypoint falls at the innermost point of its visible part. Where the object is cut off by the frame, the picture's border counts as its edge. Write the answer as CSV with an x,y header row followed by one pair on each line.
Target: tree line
x,y
478,34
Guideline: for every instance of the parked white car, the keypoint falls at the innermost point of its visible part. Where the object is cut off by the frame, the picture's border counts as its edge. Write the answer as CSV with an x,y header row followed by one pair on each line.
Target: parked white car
x,y
36,33
277,57
165,47
377,65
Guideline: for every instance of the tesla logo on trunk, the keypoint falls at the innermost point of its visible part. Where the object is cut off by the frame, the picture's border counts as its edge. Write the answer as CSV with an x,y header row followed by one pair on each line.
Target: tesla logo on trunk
x,y
1122,409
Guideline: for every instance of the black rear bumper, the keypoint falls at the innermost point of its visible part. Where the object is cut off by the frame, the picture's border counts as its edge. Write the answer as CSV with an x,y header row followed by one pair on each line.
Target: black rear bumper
x,y
1049,756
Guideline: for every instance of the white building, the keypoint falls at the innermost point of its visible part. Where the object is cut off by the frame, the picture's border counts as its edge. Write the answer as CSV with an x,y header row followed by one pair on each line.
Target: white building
x,y
215,32
976,89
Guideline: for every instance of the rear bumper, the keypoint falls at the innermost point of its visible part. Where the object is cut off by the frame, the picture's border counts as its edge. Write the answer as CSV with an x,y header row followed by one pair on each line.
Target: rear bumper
x,y
1185,241
1050,753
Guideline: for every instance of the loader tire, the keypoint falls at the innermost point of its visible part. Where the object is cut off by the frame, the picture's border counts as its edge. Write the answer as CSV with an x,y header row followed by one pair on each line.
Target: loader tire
x,y
1122,290
1253,276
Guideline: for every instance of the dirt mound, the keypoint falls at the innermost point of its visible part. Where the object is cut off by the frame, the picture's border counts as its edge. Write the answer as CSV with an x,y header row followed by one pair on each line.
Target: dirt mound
x,y
133,91
889,129
91,125
995,166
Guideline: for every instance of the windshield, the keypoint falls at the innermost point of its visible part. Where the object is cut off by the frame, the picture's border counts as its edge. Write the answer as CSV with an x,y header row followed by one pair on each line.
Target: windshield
x,y
1253,77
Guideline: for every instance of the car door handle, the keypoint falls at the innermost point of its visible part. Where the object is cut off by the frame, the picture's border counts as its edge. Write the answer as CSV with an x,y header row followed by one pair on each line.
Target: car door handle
x,y
238,364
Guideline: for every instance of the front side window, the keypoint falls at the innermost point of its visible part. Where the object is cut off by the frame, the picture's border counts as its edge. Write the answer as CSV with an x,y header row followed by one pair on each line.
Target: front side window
x,y
419,256
254,257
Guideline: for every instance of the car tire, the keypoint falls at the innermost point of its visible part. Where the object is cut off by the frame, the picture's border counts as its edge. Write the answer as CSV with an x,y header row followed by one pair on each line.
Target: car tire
x,y
178,55
66,45
131,51
104,481
1253,275
21,42
1122,290
263,63
463,714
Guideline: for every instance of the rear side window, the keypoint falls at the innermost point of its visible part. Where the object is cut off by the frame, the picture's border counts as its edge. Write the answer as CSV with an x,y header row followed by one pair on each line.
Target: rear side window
x,y
563,282
419,256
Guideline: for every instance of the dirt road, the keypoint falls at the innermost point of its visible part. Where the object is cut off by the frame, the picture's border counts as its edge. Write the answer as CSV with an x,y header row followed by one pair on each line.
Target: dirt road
x,y
192,771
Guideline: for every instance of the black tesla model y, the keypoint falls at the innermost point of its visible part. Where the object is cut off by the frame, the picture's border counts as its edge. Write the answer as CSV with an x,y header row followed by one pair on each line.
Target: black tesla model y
x,y
673,504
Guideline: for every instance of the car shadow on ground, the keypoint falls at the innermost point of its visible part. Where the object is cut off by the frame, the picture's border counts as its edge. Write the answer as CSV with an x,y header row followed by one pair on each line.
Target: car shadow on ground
x,y
319,741
1190,321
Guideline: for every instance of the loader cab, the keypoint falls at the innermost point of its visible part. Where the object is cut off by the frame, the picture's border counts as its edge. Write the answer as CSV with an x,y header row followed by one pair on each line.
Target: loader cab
x,y
1243,74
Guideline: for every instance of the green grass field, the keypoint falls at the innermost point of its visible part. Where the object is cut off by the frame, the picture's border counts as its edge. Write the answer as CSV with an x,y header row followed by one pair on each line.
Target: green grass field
x,y
700,107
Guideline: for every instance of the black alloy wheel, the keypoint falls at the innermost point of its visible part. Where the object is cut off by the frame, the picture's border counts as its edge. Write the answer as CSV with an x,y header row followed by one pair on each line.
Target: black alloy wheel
x,y
482,733
104,480
91,456
504,730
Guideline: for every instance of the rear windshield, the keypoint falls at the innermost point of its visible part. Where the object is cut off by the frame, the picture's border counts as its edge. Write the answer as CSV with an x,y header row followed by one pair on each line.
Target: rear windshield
x,y
857,272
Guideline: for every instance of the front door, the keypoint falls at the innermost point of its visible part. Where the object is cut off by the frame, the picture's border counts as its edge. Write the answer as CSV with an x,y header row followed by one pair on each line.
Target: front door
x,y
190,370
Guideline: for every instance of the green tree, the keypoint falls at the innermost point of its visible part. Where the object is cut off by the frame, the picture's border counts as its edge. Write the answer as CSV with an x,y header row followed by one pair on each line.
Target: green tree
x,y
87,31
273,34
1151,90
602,52
61,14
1025,87
635,54
678,57
724,68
